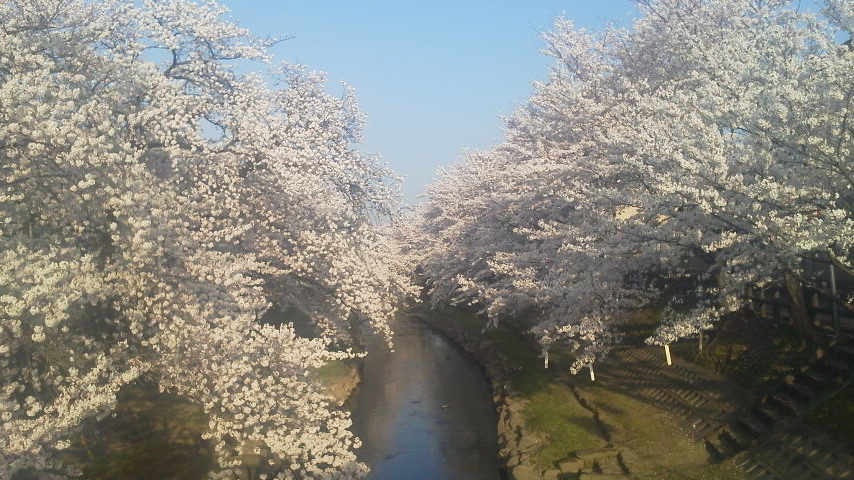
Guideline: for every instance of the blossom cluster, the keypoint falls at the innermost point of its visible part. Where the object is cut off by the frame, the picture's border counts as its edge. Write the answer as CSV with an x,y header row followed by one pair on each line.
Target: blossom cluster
x,y
154,203
702,151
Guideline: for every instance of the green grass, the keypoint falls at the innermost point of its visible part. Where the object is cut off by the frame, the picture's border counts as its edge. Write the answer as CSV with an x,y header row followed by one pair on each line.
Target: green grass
x,y
459,318
551,410
567,427
660,447
525,369
640,326
337,378
334,371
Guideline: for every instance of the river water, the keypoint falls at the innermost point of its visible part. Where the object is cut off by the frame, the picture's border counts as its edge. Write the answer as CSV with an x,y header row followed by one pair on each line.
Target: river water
x,y
424,411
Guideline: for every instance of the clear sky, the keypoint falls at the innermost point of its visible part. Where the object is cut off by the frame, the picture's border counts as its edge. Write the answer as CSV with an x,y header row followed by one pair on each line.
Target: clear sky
x,y
433,76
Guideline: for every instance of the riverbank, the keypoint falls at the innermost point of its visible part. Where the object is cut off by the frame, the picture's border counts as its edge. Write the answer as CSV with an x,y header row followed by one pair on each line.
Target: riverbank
x,y
339,379
554,425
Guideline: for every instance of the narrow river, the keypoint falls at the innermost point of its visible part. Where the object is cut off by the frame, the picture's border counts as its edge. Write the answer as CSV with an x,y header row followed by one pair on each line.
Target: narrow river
x,y
424,411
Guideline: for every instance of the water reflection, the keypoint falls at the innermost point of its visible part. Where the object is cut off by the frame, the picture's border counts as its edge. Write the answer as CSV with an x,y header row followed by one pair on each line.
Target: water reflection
x,y
424,411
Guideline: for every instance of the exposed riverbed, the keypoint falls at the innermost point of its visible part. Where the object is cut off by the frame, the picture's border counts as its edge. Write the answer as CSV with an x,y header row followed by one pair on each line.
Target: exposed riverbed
x,y
424,411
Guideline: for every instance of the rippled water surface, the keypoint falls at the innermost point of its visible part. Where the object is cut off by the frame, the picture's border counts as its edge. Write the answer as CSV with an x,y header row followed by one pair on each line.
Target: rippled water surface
x,y
425,410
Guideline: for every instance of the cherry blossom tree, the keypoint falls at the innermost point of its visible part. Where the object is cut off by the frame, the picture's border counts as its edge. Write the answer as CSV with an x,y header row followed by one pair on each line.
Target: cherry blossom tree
x,y
701,152
155,203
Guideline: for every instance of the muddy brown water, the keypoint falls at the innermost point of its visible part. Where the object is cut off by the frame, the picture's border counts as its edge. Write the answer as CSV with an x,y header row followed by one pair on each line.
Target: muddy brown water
x,y
424,411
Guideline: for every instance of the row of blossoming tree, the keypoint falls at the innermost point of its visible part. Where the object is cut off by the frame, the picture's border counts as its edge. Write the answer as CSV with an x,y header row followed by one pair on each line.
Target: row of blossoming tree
x,y
705,150
156,200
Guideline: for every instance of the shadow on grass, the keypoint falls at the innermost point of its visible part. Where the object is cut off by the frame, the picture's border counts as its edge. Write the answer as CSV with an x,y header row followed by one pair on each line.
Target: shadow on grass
x,y
621,395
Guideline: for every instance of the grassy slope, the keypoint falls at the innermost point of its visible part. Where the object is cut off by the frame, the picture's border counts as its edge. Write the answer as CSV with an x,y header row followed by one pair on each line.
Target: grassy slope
x,y
552,409
554,412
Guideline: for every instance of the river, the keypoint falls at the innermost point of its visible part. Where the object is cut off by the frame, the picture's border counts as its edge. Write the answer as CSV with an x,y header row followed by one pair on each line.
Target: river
x,y
424,411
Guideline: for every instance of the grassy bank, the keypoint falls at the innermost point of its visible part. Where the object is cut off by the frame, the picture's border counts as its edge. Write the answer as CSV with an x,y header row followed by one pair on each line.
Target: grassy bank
x,y
338,378
575,416
551,409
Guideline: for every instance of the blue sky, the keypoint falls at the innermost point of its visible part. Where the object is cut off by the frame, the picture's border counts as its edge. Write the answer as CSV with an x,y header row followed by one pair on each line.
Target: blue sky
x,y
433,77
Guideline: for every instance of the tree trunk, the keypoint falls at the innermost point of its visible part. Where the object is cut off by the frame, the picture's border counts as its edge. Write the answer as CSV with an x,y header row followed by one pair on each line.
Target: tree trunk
x,y
800,315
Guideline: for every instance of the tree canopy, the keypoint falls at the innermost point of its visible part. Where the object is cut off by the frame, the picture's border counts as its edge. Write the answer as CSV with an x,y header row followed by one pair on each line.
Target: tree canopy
x,y
162,186
708,147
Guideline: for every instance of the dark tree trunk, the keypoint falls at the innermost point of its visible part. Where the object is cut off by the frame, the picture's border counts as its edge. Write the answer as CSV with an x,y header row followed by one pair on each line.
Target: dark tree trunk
x,y
799,314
